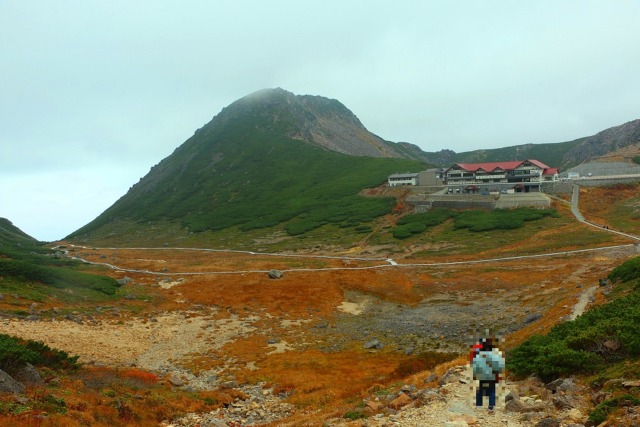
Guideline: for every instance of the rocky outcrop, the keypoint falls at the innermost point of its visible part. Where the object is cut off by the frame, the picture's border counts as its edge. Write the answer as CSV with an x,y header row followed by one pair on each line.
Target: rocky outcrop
x,y
604,142
9,385
447,400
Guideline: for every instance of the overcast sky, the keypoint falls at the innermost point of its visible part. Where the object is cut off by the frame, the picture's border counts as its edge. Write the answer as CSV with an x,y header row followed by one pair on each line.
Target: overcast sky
x,y
95,92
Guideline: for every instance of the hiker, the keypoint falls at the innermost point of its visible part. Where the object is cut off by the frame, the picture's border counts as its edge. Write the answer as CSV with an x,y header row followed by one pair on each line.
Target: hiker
x,y
488,365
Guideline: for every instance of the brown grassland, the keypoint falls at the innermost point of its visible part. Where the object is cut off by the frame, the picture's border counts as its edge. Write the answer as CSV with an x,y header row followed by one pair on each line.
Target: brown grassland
x,y
293,333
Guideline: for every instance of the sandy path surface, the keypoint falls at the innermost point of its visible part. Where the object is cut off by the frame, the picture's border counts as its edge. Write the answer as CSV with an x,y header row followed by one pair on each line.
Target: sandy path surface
x,y
143,342
581,305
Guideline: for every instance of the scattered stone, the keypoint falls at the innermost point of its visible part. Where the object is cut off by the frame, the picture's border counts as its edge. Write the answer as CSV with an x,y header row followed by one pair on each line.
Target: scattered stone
x,y
275,274
599,397
530,318
9,385
402,400
561,402
515,405
446,377
28,374
125,280
629,384
130,297
373,344
432,377
375,406
548,422
176,381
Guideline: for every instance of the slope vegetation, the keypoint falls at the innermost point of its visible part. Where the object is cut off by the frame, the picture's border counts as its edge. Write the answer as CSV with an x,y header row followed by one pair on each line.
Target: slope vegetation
x,y
251,167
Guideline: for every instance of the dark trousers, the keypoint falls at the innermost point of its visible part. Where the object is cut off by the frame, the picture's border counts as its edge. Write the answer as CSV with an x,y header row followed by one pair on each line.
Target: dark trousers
x,y
486,388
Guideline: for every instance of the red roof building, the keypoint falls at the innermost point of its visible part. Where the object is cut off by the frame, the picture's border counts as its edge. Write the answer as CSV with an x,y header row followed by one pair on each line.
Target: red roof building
x,y
531,171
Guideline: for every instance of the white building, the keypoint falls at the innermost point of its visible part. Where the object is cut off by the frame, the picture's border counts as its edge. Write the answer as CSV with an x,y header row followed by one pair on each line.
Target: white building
x,y
402,179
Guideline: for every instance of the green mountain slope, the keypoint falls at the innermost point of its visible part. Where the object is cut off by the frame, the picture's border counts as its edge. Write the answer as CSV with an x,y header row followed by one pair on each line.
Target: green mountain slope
x,y
561,154
258,164
11,235
30,272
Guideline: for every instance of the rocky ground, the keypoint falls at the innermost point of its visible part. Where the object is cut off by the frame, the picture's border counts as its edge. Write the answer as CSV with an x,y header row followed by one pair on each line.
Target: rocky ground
x,y
448,400
445,400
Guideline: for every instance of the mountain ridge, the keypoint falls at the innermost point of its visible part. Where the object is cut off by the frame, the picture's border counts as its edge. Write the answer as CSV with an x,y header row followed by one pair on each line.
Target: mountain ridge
x,y
266,153
298,162
558,154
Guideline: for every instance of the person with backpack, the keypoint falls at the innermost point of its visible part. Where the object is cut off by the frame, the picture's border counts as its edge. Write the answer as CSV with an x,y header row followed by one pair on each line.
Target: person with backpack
x,y
487,365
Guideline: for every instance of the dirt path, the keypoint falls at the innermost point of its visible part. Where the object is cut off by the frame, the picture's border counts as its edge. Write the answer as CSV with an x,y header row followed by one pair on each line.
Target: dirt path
x,y
581,305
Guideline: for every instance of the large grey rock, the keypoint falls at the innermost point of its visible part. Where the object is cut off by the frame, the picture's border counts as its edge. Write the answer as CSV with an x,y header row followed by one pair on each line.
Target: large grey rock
x,y
125,280
562,402
375,344
28,374
9,385
532,318
515,405
275,274
562,384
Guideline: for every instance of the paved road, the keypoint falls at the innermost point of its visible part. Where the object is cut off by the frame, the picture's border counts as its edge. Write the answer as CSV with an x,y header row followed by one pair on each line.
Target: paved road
x,y
575,209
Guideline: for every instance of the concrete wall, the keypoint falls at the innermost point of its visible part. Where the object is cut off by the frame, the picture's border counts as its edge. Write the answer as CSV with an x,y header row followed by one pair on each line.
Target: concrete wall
x,y
476,201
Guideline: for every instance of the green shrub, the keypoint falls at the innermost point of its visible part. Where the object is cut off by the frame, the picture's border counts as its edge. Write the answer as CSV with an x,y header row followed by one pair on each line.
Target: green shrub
x,y
602,410
15,353
599,337
549,359
401,233
627,271
354,415
499,219
418,223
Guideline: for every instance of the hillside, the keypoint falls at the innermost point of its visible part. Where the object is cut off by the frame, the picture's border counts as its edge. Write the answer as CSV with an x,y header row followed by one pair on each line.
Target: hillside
x,y
268,159
561,154
12,235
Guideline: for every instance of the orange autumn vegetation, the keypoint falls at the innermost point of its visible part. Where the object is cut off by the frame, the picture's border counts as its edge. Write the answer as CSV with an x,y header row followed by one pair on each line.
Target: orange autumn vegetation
x,y
320,384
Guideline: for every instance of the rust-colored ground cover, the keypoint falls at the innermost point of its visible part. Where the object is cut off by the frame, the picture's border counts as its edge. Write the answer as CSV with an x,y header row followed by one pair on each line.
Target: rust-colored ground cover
x,y
287,330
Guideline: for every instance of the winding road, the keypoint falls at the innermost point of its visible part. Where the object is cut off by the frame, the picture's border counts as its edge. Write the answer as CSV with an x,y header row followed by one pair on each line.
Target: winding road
x,y
385,262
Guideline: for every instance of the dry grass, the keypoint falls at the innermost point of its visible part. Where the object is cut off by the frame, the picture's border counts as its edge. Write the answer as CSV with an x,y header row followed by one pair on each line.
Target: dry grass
x,y
320,384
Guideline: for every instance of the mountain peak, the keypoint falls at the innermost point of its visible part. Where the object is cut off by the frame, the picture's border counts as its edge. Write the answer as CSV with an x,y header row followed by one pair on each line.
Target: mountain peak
x,y
316,120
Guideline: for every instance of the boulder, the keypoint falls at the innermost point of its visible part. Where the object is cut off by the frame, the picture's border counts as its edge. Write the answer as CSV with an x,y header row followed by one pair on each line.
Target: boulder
x,y
9,385
375,406
28,374
176,381
561,384
125,280
515,405
402,400
275,274
630,384
373,344
432,377
561,402
532,318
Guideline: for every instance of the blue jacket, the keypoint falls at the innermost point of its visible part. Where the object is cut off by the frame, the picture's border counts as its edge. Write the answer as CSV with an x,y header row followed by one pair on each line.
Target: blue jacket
x,y
486,364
